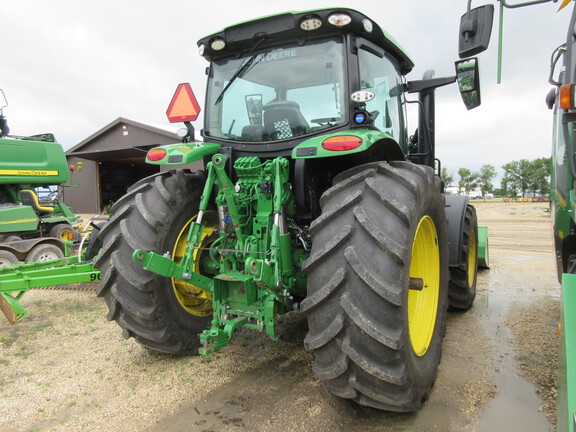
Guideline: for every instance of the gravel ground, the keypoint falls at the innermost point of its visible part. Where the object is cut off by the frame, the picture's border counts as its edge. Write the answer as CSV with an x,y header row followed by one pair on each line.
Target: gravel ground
x,y
535,342
65,368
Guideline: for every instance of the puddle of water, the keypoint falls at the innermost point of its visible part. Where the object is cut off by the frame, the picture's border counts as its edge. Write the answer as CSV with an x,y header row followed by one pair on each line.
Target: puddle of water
x,y
516,404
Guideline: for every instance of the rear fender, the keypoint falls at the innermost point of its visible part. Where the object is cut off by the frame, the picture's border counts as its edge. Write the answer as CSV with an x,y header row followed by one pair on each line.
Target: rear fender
x,y
315,148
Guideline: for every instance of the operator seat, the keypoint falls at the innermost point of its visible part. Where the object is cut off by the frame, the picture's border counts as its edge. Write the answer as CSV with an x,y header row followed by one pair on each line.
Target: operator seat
x,y
283,120
30,198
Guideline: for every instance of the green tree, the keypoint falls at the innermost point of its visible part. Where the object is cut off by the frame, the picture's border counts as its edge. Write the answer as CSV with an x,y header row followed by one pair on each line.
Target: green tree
x,y
446,177
485,177
516,177
468,180
542,170
524,176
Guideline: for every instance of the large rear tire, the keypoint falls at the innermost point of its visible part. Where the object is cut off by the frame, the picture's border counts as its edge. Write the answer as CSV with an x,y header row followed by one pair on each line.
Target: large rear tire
x,y
382,229
162,314
462,288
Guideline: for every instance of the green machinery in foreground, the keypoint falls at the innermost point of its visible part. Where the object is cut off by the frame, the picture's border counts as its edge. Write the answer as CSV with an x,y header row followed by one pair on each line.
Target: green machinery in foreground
x,y
314,198
30,230
562,99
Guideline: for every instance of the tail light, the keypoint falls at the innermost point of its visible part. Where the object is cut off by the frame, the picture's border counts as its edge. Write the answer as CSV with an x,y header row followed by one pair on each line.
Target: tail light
x,y
156,155
342,143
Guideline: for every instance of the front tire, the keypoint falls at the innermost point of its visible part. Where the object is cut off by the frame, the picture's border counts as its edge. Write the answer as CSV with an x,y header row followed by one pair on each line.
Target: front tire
x,y
382,230
160,313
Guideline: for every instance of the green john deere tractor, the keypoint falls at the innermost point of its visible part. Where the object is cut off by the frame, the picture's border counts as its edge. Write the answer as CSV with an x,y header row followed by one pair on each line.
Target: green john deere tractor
x,y
29,229
314,198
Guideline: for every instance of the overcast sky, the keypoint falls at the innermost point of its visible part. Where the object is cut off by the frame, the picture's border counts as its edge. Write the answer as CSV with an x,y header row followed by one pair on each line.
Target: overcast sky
x,y
71,67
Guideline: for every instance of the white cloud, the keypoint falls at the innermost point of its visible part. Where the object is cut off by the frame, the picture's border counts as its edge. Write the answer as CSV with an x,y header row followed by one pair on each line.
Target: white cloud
x,y
72,67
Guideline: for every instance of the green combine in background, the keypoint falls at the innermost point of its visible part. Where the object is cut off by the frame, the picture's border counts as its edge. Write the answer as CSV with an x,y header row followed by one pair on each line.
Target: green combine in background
x,y
31,231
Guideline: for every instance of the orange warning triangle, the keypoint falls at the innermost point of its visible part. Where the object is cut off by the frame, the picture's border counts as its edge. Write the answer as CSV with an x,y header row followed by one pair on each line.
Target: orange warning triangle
x,y
184,106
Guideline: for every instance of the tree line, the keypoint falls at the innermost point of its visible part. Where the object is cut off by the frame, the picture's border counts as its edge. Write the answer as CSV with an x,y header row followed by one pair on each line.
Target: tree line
x,y
520,177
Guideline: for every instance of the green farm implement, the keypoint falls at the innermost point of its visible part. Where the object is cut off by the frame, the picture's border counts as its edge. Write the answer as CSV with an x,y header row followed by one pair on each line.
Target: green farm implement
x,y
314,198
30,230
34,235
15,281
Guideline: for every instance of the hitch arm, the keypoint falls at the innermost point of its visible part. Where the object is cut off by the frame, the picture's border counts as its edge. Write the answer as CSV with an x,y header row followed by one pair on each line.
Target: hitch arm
x,y
164,266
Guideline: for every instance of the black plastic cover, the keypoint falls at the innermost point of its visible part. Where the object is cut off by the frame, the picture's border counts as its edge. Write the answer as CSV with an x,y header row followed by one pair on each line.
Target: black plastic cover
x,y
475,30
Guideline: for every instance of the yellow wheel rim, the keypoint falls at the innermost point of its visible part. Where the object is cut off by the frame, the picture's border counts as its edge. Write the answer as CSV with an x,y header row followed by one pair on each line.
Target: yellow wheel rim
x,y
65,234
472,253
423,304
193,299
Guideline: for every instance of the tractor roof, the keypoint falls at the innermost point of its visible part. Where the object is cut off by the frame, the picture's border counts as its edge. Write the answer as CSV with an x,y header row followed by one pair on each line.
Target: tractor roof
x,y
279,28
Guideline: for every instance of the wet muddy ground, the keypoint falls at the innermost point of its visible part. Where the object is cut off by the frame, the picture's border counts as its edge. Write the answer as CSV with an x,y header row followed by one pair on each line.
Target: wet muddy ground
x,y
66,368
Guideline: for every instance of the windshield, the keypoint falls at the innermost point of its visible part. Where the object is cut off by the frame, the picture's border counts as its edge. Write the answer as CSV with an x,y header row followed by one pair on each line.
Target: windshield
x,y
277,93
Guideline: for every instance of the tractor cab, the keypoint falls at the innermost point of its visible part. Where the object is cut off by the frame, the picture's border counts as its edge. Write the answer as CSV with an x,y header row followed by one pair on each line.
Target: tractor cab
x,y
314,85
315,73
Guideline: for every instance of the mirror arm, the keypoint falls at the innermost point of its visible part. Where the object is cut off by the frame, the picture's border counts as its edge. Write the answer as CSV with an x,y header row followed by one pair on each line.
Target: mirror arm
x,y
428,84
528,3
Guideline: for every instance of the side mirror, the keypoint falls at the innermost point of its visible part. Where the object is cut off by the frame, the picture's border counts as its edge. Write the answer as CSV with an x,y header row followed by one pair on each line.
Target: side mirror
x,y
551,98
475,30
468,77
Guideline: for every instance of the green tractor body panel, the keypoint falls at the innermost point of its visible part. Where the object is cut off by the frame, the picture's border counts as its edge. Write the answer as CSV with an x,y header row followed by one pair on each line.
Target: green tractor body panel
x,y
563,208
29,162
344,143
567,356
18,218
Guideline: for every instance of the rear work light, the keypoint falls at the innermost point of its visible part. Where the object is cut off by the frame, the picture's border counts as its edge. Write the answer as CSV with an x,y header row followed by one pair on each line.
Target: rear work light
x,y
156,155
311,23
339,19
567,96
218,44
342,143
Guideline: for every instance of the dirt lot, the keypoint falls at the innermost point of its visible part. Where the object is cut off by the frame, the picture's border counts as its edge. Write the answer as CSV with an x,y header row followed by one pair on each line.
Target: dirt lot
x,y
66,368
